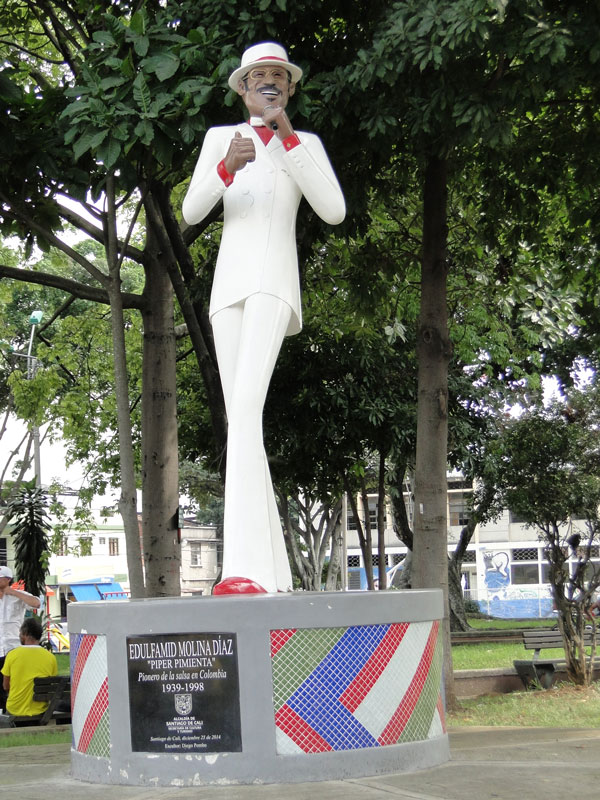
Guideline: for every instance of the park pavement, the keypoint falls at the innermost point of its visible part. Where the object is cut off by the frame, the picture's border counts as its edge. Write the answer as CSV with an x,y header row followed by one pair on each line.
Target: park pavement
x,y
504,763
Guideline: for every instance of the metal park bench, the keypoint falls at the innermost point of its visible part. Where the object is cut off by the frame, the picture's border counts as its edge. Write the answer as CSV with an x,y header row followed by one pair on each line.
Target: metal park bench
x,y
539,671
54,690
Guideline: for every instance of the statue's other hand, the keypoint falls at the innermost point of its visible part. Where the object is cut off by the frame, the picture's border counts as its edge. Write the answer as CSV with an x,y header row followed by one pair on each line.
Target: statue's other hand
x,y
241,151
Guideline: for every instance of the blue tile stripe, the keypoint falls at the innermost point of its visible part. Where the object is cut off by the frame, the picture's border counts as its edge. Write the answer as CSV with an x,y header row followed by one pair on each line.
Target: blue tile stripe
x,y
317,699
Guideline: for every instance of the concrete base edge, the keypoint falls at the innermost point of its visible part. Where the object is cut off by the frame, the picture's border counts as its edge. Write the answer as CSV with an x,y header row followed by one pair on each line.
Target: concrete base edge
x,y
194,770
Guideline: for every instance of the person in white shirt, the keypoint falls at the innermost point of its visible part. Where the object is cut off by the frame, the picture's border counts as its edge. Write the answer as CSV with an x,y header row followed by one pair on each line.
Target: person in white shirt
x,y
13,604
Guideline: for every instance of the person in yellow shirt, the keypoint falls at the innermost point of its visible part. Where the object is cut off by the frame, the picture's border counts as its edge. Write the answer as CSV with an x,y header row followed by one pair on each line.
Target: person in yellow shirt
x,y
22,665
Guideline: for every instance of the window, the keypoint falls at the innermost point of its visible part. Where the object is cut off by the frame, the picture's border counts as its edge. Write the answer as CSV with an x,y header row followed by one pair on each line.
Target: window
x,y
592,570
354,561
458,505
525,554
85,545
469,557
373,515
546,573
524,573
196,554
375,559
113,547
62,548
3,552
354,580
351,521
102,540
517,518
459,483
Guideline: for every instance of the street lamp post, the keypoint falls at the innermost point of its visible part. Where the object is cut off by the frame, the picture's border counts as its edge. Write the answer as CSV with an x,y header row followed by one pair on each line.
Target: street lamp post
x,y
34,320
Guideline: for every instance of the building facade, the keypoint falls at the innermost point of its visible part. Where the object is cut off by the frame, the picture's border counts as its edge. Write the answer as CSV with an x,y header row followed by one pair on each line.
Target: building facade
x,y
504,569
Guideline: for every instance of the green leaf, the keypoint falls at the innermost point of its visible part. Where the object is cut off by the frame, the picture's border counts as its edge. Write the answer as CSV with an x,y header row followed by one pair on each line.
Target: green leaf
x,y
104,37
109,153
82,145
110,82
188,131
138,23
164,66
144,130
127,66
141,45
141,93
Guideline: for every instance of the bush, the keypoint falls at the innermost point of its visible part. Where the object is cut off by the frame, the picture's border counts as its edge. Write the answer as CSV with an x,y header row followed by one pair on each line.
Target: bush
x,y
472,607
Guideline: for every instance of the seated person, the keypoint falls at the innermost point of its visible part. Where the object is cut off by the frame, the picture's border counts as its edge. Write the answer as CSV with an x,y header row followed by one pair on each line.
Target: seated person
x,y
22,665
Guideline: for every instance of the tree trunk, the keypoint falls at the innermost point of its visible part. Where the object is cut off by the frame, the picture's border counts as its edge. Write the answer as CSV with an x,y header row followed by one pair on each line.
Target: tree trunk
x,y
364,532
182,274
335,559
160,501
128,498
458,617
430,552
402,527
381,500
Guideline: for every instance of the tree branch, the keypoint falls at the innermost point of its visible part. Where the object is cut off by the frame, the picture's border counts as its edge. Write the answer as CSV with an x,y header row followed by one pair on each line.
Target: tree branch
x,y
79,290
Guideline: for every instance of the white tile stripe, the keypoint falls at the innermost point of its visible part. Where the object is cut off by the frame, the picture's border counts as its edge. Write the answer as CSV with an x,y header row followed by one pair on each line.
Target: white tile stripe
x,y
90,681
436,727
377,708
284,745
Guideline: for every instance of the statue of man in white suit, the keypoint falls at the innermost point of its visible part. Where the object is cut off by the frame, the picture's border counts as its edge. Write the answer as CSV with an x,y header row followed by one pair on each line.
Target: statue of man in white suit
x,y
261,169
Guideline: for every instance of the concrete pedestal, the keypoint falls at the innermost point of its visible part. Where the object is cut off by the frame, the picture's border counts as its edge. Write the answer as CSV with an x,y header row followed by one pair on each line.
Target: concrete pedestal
x,y
257,688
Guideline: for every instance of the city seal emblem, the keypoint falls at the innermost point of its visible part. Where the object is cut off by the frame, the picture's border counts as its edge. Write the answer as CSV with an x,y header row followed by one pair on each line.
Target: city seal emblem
x,y
183,704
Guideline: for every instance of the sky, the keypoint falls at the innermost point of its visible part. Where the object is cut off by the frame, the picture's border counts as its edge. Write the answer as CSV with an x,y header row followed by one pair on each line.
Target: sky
x,y
52,460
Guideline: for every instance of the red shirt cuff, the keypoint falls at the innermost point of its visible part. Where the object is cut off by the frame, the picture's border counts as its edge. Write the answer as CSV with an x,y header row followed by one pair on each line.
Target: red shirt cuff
x,y
291,141
225,176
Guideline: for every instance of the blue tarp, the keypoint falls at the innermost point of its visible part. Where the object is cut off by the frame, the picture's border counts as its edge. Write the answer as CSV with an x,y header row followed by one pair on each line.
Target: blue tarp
x,y
98,591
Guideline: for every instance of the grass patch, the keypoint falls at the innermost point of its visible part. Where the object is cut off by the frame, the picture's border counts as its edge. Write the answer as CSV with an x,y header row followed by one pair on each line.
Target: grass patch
x,y
563,706
482,623
494,655
15,737
64,664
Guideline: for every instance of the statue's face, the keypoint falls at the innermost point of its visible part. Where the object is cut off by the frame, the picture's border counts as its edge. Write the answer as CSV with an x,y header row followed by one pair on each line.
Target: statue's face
x,y
265,86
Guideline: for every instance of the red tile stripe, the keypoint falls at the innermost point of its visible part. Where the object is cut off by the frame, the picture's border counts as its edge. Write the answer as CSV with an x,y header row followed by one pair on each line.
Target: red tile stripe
x,y
371,672
279,639
300,731
85,648
392,731
96,713
441,712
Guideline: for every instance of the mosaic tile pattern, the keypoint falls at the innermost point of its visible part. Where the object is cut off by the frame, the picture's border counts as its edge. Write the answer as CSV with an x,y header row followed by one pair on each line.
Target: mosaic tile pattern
x,y
89,695
363,686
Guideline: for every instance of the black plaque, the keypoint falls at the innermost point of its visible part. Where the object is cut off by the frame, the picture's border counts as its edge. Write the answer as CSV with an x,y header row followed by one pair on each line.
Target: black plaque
x,y
184,693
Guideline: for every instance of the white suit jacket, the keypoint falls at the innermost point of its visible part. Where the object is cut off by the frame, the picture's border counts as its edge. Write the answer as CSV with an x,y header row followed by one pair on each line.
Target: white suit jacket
x,y
258,245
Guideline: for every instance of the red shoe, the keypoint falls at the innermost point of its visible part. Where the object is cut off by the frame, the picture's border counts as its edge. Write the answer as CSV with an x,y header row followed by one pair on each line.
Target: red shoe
x,y
238,586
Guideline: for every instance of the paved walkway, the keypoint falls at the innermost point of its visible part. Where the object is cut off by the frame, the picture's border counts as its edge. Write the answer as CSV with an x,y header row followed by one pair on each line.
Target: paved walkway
x,y
505,763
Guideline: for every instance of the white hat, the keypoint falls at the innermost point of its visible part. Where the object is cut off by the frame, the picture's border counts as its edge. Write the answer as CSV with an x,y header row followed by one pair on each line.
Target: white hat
x,y
266,53
6,572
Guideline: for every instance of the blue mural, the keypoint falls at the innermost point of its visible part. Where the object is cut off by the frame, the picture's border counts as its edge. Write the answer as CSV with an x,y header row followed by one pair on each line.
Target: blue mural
x,y
506,601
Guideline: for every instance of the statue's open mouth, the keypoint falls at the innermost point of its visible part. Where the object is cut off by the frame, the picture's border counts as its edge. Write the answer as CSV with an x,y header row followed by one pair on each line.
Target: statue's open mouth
x,y
268,91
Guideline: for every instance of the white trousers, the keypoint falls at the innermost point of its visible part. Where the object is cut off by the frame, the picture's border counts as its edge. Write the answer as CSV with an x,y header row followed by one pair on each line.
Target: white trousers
x,y
248,338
